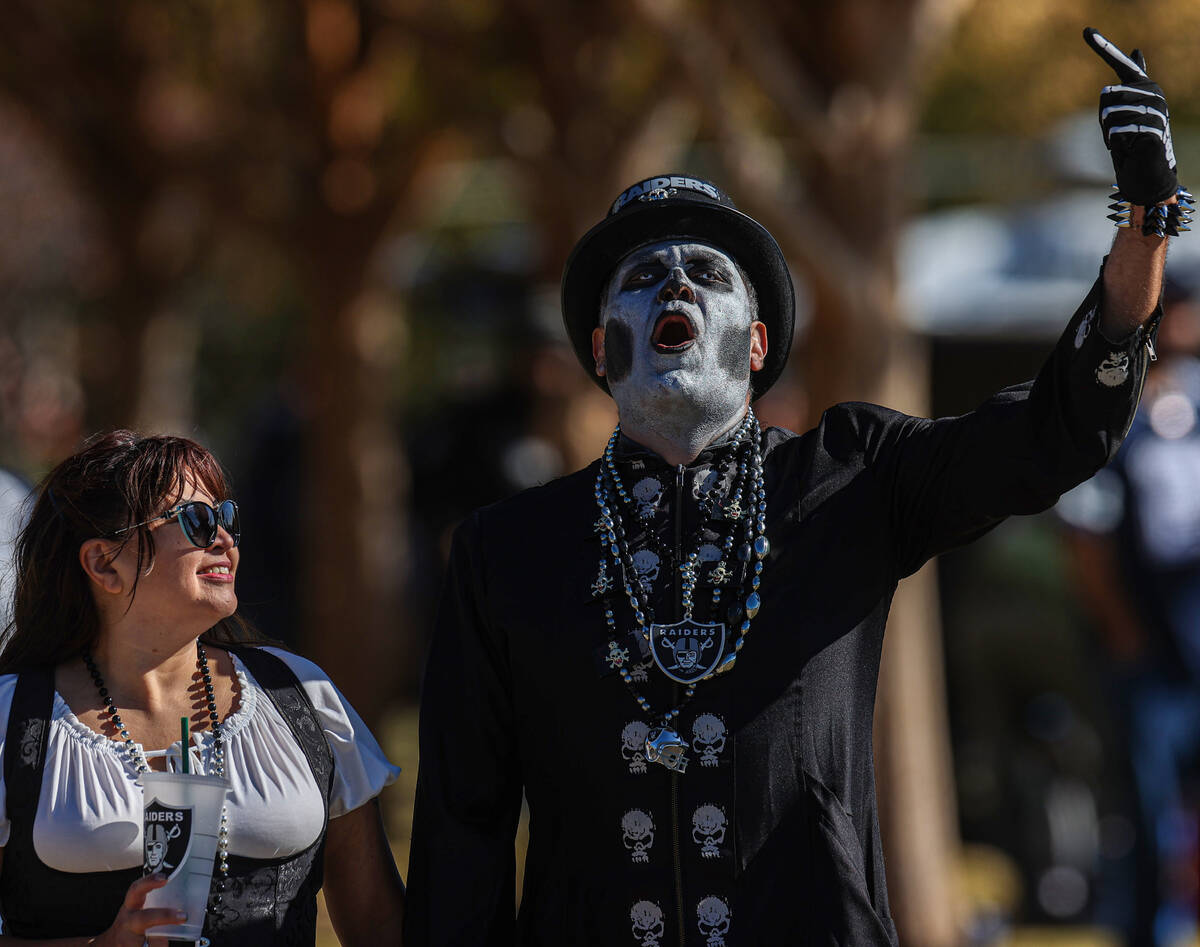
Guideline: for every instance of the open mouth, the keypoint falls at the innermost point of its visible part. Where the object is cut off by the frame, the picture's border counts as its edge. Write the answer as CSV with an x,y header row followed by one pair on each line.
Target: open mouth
x,y
673,332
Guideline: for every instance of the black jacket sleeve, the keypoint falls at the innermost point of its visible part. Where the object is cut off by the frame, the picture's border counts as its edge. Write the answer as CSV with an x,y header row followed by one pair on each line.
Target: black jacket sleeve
x,y
946,481
461,884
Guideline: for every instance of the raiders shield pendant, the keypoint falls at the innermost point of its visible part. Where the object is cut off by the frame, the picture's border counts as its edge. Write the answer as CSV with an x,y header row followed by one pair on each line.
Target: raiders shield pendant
x,y
687,650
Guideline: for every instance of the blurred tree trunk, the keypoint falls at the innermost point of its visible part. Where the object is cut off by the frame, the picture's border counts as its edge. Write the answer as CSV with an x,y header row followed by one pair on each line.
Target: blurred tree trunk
x,y
918,811
579,137
80,80
306,125
353,530
361,180
842,84
576,140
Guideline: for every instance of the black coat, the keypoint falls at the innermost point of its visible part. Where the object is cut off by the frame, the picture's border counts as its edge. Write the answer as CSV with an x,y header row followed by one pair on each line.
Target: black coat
x,y
771,836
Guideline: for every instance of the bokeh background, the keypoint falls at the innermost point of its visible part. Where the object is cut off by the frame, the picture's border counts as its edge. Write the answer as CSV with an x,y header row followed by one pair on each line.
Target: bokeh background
x,y
324,237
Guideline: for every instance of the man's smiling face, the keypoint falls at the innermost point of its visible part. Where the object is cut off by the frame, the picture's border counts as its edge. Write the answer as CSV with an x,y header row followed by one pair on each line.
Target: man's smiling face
x,y
678,327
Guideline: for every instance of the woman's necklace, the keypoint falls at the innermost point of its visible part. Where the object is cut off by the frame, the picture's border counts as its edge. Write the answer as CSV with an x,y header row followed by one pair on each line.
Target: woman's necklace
x,y
138,759
686,651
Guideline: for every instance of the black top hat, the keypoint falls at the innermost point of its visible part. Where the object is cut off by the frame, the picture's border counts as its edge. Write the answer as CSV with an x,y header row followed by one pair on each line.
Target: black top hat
x,y
671,207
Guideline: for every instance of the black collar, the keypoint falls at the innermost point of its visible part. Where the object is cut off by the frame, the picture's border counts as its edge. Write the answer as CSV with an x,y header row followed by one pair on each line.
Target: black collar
x,y
628,449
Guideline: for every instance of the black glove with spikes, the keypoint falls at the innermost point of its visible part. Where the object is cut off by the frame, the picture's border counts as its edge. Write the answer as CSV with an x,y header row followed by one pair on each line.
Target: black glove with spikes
x,y
1137,131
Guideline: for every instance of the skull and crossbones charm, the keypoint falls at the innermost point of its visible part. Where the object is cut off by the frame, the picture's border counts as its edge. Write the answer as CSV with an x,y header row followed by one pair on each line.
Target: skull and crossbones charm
x,y
603,584
617,656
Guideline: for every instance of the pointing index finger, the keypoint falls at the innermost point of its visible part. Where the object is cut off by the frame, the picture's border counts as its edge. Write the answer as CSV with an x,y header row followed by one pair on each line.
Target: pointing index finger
x,y
1127,70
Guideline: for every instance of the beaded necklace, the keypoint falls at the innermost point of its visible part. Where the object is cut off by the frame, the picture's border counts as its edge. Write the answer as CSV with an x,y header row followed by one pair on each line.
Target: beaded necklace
x,y
746,498
709,551
138,759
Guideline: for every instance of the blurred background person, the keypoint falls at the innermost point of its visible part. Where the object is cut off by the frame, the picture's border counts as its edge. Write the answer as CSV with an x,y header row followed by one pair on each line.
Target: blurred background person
x,y
14,507
1133,532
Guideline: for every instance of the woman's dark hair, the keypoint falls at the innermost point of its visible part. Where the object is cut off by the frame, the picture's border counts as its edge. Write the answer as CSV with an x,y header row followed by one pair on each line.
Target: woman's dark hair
x,y
118,479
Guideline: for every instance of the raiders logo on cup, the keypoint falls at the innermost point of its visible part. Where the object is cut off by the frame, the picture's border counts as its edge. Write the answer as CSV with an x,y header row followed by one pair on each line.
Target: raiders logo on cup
x,y
167,834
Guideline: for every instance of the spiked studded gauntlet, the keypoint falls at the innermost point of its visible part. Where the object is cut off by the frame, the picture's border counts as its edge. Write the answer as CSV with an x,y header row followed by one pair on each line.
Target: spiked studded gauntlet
x,y
1137,133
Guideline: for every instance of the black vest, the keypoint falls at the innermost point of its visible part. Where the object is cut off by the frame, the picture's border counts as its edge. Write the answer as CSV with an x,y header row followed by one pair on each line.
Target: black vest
x,y
264,902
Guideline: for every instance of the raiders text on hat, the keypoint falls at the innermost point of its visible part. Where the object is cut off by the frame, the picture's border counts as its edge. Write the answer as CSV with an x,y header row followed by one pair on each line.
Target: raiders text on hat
x,y
658,188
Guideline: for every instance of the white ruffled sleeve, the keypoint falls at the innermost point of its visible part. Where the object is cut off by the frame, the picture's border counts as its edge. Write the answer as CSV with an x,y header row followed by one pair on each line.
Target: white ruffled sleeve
x,y
8,685
360,769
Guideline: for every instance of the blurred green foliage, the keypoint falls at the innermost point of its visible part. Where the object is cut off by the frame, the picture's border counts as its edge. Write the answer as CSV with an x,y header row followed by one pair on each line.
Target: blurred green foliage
x,y
1015,68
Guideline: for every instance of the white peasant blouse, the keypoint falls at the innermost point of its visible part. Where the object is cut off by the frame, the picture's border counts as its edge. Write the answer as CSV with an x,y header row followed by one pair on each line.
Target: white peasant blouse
x,y
89,814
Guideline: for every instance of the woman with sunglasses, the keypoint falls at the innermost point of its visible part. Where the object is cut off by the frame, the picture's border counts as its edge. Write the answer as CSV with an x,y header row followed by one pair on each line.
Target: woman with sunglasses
x,y
124,622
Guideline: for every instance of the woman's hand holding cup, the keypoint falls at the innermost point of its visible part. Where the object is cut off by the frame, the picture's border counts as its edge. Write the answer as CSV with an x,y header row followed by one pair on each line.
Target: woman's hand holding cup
x,y
134,919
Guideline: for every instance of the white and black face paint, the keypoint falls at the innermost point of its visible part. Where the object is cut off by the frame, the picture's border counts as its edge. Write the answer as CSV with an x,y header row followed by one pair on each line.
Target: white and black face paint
x,y
677,338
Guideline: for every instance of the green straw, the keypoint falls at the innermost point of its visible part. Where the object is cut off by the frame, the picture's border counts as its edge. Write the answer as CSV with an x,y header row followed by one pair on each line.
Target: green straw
x,y
187,757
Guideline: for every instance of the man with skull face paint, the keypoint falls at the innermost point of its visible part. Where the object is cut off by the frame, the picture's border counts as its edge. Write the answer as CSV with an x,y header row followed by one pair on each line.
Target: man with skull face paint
x,y
690,783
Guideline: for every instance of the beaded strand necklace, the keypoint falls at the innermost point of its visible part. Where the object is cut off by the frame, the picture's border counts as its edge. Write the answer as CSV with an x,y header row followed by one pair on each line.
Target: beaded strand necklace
x,y
747,497
137,758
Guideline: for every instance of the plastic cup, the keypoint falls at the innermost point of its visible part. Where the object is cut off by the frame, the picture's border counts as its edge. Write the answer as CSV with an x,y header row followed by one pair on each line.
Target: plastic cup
x,y
180,822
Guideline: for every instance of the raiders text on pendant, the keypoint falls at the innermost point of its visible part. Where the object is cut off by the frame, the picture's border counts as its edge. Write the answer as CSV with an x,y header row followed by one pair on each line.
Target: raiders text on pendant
x,y
687,651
